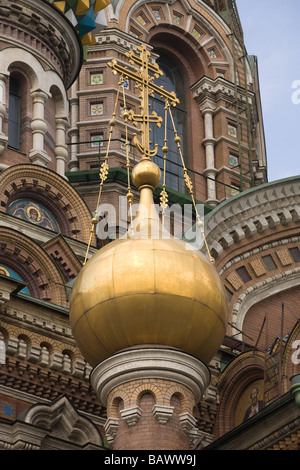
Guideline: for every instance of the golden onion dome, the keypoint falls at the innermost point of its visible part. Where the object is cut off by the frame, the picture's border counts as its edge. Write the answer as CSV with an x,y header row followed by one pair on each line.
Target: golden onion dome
x,y
148,289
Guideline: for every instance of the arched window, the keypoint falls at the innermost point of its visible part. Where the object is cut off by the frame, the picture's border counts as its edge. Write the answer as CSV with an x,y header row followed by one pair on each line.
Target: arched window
x,y
14,113
172,80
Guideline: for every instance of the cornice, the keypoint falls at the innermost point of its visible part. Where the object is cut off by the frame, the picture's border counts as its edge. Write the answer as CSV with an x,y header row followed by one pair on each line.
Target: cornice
x,y
278,435
40,234
154,363
120,39
253,211
266,246
218,88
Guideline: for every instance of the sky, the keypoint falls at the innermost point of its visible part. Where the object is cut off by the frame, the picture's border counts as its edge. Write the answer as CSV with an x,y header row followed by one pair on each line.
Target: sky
x,y
272,33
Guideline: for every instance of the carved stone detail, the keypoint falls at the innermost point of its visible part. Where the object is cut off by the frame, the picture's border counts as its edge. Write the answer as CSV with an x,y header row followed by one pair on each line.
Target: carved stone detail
x,y
111,427
162,413
187,421
131,415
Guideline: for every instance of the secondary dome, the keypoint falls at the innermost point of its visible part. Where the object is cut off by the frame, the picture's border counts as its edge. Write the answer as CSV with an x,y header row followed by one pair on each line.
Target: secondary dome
x,y
148,290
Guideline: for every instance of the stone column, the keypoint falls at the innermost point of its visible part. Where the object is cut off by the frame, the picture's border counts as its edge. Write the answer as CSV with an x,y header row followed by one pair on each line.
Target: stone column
x,y
150,394
209,144
73,131
61,151
39,128
3,137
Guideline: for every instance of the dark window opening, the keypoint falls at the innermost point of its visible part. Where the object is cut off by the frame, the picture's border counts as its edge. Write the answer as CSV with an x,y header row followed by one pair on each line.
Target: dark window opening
x,y
269,263
295,254
14,114
243,273
172,80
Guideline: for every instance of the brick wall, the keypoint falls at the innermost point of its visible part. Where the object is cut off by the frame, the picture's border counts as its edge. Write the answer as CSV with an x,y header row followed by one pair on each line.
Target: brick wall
x,y
148,433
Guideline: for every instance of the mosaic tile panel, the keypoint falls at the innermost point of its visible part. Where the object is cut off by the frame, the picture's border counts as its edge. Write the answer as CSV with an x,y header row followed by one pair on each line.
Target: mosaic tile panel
x,y
126,84
235,191
34,213
232,131
123,144
8,410
96,79
196,33
97,109
141,20
97,140
233,161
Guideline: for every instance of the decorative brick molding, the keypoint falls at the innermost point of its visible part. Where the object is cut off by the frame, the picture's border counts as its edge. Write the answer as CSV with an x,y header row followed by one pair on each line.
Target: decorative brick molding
x,y
161,364
56,426
188,422
59,197
111,427
258,291
63,256
34,266
138,18
208,89
253,212
161,375
41,359
46,32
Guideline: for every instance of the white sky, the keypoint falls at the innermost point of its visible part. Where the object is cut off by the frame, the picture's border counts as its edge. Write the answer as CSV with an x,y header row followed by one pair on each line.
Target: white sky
x,y
272,33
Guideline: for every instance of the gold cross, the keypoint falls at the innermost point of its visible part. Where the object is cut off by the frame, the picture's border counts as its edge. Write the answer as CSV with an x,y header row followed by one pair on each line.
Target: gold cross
x,y
145,83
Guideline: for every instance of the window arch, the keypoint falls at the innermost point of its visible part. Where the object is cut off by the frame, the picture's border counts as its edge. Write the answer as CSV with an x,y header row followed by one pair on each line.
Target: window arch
x,y
14,113
172,80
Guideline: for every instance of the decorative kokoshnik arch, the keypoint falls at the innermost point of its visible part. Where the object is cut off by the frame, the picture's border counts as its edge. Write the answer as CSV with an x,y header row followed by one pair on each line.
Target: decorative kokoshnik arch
x,y
33,266
45,187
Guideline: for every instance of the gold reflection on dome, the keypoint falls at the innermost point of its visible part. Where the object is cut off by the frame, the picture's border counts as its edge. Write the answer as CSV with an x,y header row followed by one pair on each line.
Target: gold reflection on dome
x,y
144,290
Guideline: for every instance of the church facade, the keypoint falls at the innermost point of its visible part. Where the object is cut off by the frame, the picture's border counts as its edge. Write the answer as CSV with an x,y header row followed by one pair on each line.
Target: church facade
x,y
63,116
